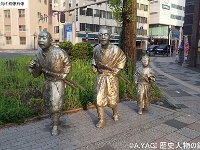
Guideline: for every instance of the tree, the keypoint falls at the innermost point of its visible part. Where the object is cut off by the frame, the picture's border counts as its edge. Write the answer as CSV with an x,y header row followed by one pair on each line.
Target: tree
x,y
126,12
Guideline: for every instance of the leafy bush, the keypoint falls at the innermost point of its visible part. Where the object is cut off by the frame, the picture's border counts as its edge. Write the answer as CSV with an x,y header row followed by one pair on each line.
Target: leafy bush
x,y
13,111
82,50
67,46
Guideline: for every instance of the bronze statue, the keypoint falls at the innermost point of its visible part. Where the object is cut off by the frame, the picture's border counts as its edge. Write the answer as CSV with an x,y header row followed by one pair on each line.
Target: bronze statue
x,y
144,78
55,64
107,60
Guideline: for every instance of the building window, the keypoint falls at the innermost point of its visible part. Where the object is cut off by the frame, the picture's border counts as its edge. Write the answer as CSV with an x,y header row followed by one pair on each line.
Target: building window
x,y
138,6
7,13
83,11
39,1
40,28
152,2
7,27
56,29
45,2
141,32
8,40
175,17
63,4
22,40
145,7
21,13
153,13
141,6
39,14
22,28
82,26
141,19
109,15
89,12
103,14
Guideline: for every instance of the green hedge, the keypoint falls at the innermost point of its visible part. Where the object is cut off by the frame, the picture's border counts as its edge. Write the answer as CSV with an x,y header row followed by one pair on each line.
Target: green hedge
x,y
21,94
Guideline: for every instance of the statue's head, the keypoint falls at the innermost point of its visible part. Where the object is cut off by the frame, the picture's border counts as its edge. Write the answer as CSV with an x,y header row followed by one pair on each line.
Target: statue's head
x,y
44,39
104,36
145,60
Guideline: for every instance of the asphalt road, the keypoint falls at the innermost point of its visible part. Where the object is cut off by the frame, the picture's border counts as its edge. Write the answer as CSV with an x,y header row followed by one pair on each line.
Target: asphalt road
x,y
15,54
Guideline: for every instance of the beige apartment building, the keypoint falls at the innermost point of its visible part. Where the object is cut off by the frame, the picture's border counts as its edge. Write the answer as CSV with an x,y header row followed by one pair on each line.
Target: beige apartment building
x,y
20,26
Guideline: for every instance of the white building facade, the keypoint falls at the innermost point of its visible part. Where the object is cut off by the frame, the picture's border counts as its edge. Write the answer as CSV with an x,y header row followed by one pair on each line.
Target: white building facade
x,y
86,22
166,20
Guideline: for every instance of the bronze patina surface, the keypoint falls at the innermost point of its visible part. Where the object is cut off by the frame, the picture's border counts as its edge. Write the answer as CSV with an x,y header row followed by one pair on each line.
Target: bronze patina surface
x,y
144,77
55,64
107,61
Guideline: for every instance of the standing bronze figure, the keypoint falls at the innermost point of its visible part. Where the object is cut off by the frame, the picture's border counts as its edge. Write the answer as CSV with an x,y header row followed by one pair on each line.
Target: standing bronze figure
x,y
55,64
144,77
108,60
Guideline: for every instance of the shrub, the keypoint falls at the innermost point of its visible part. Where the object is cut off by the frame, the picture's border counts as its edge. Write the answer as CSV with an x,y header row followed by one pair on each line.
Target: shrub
x,y
82,50
37,106
67,46
13,111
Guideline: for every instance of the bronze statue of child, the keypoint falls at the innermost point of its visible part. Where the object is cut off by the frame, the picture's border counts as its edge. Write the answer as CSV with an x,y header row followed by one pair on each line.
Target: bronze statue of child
x,y
144,77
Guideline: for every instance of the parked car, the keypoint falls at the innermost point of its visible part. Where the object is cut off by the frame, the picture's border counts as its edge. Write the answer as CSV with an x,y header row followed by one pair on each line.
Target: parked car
x,y
151,49
163,49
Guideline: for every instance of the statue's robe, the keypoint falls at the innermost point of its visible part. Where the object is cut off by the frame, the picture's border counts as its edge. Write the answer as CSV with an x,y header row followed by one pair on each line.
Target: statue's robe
x,y
144,83
106,90
57,62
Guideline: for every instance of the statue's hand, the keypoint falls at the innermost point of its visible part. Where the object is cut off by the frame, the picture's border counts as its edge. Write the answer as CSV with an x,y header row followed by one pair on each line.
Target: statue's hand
x,y
32,64
136,82
152,78
94,69
116,71
63,75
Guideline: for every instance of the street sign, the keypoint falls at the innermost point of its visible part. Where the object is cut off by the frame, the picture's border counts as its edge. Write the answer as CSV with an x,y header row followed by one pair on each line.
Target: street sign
x,y
68,32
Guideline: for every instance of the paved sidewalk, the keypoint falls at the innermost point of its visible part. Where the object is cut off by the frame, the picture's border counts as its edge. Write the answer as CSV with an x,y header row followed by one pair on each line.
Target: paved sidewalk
x,y
159,128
